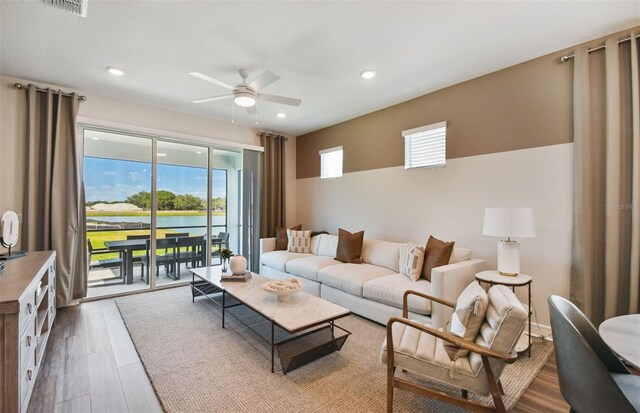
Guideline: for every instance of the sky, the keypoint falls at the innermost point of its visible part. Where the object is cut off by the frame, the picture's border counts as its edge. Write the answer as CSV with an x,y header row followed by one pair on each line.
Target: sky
x,y
115,180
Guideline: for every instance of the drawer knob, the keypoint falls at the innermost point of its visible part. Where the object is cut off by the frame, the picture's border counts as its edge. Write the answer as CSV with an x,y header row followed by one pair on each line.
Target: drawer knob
x,y
29,308
28,341
30,374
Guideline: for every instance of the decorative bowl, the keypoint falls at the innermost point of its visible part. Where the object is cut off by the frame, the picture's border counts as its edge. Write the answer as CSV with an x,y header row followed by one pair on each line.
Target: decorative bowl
x,y
283,289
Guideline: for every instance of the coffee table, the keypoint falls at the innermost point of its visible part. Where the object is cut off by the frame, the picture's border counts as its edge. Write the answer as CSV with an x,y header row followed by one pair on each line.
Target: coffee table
x,y
309,321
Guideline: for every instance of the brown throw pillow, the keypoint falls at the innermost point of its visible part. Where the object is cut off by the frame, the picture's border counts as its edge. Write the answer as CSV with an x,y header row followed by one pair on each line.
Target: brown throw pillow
x,y
281,237
349,246
436,254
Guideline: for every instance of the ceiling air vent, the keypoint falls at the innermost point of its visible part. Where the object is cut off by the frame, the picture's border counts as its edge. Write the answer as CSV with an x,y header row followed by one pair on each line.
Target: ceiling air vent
x,y
78,7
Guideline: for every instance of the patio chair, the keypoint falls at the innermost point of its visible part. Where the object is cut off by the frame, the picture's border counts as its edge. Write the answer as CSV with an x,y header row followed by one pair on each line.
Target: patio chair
x,y
194,251
104,263
592,378
420,348
168,259
221,241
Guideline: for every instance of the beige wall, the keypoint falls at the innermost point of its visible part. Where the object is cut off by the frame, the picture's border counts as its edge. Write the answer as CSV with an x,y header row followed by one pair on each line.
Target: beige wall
x,y
448,203
12,134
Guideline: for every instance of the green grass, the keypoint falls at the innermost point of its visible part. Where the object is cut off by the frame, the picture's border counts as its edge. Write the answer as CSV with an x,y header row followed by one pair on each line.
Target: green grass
x,y
148,213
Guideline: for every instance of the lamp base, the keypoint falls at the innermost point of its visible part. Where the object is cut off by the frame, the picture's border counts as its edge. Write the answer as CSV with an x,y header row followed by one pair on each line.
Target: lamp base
x,y
508,258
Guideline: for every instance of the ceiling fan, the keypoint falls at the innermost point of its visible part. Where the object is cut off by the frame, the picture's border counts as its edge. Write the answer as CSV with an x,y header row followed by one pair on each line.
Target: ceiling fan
x,y
244,94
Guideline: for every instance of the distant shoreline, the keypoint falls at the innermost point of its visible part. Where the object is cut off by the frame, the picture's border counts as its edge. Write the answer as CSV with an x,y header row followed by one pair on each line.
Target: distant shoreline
x,y
147,213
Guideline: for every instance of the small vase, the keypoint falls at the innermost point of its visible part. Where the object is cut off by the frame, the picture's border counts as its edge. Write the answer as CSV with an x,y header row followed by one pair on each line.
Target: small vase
x,y
225,263
238,264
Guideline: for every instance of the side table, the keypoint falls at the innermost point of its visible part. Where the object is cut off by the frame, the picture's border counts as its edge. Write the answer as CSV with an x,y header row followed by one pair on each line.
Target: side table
x,y
493,277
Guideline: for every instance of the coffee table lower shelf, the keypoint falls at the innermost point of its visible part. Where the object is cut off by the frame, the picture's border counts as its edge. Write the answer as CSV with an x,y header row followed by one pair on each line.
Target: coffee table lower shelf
x,y
307,347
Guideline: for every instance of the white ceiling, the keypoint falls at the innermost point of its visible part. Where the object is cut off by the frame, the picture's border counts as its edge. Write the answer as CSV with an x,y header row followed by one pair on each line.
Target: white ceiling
x,y
318,48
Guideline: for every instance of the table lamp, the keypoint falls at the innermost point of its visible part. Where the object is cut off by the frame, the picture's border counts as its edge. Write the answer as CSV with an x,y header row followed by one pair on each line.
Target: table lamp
x,y
509,222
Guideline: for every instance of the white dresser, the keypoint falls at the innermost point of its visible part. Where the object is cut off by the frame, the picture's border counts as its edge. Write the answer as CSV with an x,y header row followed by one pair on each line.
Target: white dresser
x,y
27,311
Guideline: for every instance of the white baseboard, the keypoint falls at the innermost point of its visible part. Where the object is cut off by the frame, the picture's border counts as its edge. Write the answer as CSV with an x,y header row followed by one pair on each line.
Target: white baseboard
x,y
540,330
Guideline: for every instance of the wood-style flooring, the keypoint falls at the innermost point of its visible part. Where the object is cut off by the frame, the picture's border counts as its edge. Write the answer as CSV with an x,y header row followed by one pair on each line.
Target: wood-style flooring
x,y
91,365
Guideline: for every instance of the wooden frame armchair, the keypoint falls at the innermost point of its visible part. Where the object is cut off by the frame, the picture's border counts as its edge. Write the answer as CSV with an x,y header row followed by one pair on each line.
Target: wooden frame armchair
x,y
485,353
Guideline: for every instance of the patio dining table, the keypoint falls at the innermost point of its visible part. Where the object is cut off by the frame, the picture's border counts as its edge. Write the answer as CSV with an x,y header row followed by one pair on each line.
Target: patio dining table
x,y
127,247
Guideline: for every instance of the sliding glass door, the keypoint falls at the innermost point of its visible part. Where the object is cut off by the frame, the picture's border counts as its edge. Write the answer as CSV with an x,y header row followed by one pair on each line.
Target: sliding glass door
x,y
191,205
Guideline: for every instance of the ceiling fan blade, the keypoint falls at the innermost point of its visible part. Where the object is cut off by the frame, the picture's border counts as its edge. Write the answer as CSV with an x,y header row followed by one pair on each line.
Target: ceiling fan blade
x,y
280,99
252,110
211,80
212,99
263,81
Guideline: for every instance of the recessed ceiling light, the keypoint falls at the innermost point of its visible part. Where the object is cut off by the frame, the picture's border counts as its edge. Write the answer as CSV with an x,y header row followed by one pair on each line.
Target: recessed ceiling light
x,y
96,139
281,115
160,154
367,74
115,71
199,152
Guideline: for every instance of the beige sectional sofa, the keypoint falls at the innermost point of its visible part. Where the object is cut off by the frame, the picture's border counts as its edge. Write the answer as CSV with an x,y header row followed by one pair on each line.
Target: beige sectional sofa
x,y
373,289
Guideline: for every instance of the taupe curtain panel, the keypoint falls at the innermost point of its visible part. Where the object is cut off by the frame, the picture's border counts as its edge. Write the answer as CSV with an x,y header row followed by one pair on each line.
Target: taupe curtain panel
x,y
273,195
54,212
605,269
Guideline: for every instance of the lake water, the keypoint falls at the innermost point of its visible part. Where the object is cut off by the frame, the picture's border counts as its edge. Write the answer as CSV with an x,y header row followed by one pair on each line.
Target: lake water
x,y
166,221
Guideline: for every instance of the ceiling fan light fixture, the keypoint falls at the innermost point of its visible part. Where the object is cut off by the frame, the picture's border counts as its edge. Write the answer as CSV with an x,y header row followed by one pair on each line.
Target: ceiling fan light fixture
x,y
244,99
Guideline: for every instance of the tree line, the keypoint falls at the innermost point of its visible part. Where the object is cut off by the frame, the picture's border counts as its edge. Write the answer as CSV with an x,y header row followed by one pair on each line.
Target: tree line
x,y
168,201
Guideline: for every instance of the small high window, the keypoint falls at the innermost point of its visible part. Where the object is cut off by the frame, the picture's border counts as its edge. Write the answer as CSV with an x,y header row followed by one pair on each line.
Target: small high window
x,y
331,163
425,146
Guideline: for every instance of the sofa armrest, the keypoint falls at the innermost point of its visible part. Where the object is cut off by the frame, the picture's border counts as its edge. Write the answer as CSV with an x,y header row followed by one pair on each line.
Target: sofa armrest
x,y
266,245
447,282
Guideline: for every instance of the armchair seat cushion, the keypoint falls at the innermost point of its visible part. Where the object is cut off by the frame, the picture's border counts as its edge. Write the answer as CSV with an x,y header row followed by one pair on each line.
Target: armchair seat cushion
x,y
278,259
351,278
390,290
425,354
308,267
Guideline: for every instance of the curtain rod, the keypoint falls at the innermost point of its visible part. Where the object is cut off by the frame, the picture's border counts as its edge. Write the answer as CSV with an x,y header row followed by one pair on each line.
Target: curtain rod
x,y
39,89
602,46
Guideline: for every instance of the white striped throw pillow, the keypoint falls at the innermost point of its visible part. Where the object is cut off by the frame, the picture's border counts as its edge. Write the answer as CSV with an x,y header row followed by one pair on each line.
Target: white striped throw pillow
x,y
411,260
299,241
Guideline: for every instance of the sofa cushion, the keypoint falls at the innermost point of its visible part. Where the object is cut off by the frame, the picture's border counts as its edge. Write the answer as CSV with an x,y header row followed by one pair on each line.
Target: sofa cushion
x,y
308,267
411,260
327,245
350,278
282,241
390,289
459,255
349,246
382,253
436,254
277,259
299,241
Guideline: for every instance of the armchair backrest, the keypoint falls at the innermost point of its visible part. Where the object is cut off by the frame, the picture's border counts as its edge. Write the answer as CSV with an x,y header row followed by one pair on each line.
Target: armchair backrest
x,y
585,362
503,325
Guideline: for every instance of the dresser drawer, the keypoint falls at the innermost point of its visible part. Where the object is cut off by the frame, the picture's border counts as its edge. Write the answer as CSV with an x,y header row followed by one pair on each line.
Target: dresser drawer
x,y
28,341
27,308
28,375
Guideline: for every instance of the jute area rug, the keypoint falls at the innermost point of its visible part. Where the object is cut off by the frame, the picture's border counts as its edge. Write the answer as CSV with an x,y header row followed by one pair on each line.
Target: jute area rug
x,y
196,366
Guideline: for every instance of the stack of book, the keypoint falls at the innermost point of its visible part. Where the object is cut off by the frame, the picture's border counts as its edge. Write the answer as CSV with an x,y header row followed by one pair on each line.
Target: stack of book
x,y
236,277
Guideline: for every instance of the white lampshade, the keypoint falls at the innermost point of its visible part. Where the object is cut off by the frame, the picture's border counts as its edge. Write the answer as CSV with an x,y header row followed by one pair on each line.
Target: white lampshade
x,y
509,222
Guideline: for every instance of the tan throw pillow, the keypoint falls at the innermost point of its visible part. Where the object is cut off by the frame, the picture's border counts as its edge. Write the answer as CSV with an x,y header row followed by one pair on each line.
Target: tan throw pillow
x,y
436,254
349,247
299,241
466,320
282,241
411,260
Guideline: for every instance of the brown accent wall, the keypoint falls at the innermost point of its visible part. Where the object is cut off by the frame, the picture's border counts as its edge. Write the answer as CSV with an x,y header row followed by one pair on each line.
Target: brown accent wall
x,y
523,106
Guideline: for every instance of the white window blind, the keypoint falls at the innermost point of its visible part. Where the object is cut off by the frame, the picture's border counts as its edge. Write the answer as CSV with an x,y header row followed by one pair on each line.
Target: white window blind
x,y
425,146
331,163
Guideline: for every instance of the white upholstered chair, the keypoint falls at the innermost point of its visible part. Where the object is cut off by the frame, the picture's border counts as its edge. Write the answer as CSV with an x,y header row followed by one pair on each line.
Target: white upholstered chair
x,y
420,349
